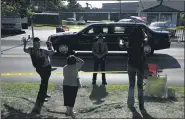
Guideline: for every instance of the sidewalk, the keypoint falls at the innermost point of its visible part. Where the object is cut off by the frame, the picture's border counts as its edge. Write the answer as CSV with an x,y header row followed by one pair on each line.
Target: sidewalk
x,y
42,33
100,102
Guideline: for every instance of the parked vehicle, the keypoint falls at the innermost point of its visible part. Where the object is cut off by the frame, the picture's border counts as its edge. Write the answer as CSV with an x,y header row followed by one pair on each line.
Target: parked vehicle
x,y
81,22
134,19
163,26
62,28
24,22
126,20
13,22
71,21
67,42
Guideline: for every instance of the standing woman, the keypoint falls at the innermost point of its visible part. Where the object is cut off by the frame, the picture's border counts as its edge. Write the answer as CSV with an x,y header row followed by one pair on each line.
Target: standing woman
x,y
136,60
71,82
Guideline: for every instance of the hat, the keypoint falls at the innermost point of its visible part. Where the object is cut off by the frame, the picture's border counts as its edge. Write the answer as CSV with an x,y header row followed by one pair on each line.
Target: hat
x,y
100,36
36,39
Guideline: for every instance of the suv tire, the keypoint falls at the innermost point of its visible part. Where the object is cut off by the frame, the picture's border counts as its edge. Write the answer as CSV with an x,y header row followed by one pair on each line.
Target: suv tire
x,y
63,49
149,50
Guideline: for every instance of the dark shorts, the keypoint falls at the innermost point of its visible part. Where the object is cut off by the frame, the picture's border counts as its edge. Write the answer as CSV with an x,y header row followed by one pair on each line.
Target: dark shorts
x,y
69,93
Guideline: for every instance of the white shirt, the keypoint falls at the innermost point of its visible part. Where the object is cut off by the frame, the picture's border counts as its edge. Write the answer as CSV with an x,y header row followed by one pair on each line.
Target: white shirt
x,y
70,73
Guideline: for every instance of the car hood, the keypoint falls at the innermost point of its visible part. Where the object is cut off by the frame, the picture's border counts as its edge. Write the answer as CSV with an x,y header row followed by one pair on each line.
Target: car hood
x,y
159,30
162,31
155,28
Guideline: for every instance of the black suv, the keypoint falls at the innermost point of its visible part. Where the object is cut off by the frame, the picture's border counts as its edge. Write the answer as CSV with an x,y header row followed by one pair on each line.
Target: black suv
x,y
66,42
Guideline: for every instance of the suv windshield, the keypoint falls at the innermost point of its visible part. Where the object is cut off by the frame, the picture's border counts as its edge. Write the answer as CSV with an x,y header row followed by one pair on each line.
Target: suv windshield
x,y
157,24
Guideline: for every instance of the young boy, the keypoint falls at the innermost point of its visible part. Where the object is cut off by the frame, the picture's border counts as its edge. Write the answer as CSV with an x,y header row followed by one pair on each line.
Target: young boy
x,y
71,82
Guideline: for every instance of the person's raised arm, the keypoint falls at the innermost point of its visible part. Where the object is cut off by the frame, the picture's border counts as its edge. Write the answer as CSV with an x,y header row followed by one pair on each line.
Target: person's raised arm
x,y
79,63
50,50
26,50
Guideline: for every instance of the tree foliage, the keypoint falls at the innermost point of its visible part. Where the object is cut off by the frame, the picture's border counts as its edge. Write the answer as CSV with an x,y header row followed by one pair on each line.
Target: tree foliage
x,y
73,6
28,7
182,16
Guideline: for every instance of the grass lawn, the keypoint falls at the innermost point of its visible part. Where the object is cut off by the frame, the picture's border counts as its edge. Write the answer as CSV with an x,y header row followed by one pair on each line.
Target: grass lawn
x,y
17,100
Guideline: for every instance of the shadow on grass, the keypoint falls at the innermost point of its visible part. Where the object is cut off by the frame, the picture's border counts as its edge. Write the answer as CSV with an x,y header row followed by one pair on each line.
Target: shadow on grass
x,y
117,62
98,93
13,113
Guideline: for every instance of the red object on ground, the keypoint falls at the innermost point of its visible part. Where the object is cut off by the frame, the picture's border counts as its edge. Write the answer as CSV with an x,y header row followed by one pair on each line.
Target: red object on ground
x,y
154,68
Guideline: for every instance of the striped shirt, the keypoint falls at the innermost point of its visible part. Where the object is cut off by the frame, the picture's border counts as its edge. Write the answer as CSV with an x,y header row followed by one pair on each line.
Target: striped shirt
x,y
40,54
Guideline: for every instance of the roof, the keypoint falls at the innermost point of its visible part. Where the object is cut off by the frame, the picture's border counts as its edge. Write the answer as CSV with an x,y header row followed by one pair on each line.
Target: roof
x,y
117,23
161,8
46,14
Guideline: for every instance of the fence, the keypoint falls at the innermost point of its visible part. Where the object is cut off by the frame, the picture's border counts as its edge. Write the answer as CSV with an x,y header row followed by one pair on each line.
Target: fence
x,y
179,36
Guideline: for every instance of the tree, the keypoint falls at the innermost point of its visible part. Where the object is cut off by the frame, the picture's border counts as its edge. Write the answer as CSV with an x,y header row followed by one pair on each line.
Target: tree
x,y
18,7
73,6
182,16
161,2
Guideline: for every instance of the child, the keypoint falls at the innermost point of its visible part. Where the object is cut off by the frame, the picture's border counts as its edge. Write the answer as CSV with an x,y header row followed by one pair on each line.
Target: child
x,y
71,82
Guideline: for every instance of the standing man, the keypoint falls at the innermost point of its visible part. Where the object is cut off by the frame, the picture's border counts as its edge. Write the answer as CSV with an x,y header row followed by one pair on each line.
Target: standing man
x,y
99,50
41,61
136,60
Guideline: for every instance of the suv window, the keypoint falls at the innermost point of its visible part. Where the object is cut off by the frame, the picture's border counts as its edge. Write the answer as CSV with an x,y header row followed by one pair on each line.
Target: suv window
x,y
118,29
97,30
122,29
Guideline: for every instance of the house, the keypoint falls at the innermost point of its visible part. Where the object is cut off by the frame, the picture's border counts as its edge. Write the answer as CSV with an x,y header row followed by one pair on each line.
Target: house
x,y
169,10
161,13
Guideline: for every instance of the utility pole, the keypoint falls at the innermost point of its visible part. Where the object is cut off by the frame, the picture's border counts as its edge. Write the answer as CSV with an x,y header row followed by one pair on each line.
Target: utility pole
x,y
120,10
139,8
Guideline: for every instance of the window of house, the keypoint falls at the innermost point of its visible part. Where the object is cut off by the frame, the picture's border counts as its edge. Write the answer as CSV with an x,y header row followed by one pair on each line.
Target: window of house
x,y
166,17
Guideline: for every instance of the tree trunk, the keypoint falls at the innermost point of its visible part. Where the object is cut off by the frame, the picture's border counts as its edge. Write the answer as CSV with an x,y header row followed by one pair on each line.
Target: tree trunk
x,y
161,2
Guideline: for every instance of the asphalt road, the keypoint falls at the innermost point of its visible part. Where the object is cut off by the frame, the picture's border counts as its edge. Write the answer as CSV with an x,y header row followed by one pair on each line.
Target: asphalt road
x,y
15,63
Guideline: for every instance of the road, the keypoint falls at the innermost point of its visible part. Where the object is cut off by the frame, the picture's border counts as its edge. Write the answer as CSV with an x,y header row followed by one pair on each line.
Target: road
x,y
17,66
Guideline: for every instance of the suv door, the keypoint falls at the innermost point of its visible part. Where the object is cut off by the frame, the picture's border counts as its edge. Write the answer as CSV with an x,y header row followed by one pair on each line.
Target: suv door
x,y
88,37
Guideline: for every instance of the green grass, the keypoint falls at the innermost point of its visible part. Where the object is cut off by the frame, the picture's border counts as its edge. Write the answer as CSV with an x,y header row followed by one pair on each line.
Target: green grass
x,y
20,97
22,89
117,87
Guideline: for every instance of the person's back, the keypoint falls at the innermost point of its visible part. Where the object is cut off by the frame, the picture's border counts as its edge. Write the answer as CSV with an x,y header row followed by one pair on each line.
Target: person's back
x,y
136,48
71,82
70,73
136,66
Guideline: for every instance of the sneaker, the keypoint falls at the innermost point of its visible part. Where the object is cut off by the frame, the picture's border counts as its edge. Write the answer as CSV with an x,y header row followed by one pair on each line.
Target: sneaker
x,y
104,83
47,96
45,100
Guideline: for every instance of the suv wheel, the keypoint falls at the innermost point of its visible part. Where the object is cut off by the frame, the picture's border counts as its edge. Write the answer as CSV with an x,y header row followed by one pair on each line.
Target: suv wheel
x,y
148,50
63,49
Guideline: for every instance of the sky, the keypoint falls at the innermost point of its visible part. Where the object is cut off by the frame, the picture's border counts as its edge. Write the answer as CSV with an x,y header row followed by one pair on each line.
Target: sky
x,y
97,3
